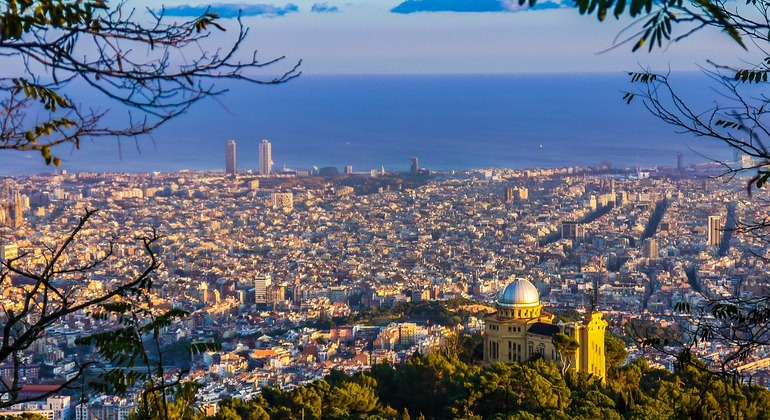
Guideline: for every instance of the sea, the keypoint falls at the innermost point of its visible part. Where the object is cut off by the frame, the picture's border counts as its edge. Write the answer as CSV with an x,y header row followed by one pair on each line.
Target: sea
x,y
450,122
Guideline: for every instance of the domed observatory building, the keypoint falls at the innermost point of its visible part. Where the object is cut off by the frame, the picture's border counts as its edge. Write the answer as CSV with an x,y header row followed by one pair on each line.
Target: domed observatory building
x,y
520,329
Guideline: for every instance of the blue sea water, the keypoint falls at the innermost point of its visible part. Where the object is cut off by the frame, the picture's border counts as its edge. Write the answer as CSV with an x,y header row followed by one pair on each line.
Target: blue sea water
x,y
448,121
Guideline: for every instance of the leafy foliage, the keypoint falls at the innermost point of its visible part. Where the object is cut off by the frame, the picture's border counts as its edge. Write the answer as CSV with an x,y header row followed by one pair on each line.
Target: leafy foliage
x,y
440,386
156,68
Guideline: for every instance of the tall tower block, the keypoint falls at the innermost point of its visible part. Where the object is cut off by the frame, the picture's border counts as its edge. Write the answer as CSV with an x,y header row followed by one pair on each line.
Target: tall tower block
x,y
414,165
715,230
231,168
265,158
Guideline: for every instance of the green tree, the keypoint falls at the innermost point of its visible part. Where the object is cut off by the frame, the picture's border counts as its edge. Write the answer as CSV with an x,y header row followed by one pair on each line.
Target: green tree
x,y
157,405
49,300
615,352
154,66
151,69
427,384
237,409
25,416
565,347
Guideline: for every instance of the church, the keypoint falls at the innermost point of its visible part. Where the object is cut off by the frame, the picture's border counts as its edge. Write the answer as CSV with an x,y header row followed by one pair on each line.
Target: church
x,y
519,329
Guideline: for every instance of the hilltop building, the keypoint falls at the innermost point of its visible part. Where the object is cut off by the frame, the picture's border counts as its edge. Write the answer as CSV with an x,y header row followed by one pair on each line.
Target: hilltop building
x,y
520,329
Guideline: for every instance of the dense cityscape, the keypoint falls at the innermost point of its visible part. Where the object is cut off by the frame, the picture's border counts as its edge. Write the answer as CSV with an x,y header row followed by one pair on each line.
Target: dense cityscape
x,y
296,273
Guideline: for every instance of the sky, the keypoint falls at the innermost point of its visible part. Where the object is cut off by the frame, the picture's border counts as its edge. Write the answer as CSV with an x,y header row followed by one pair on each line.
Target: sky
x,y
391,36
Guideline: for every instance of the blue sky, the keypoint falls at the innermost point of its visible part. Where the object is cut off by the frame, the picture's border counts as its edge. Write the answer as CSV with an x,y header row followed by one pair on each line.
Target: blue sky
x,y
367,36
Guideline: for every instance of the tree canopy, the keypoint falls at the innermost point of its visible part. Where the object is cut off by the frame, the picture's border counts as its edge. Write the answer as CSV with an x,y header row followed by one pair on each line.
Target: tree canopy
x,y
440,386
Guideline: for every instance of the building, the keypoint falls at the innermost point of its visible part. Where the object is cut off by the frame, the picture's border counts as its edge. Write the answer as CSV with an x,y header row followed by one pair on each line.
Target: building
x,y
11,208
516,194
520,329
283,200
105,408
230,159
414,165
572,230
27,373
261,283
265,158
8,251
53,408
650,249
715,230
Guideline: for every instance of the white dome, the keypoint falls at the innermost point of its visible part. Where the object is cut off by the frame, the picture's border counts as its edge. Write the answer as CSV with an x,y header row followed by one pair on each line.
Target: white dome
x,y
519,293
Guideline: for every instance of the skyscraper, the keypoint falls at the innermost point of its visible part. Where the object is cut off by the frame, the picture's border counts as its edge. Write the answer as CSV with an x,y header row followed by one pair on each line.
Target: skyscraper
x,y
265,158
230,162
571,229
715,230
261,283
414,165
650,248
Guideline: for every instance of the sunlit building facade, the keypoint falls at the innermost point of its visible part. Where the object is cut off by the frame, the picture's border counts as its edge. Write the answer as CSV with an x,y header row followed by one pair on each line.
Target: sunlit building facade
x,y
520,330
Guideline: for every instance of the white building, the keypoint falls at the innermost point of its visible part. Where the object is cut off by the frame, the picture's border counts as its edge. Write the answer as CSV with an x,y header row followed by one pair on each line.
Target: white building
x,y
53,408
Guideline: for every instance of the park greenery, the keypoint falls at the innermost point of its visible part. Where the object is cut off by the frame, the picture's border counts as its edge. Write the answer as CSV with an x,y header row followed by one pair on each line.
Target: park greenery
x,y
449,313
441,386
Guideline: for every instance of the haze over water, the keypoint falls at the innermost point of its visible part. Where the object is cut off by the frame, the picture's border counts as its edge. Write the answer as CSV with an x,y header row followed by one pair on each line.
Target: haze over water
x,y
448,121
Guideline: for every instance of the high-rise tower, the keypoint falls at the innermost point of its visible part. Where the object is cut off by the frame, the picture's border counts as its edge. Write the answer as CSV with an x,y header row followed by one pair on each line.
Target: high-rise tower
x,y
265,158
414,165
230,162
650,248
261,284
715,230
